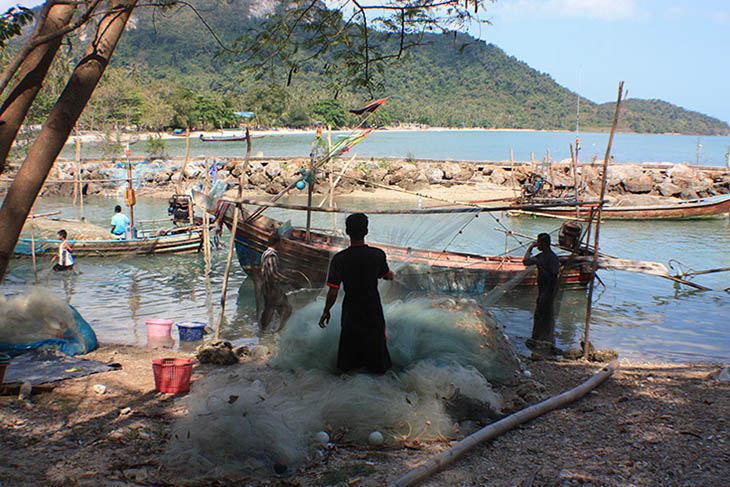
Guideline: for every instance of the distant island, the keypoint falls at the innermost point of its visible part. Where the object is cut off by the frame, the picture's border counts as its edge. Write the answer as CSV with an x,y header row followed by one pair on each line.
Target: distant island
x,y
165,64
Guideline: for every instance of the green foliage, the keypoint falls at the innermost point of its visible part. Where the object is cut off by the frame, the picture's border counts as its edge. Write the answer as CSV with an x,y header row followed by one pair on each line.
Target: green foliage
x,y
12,23
330,112
155,147
169,72
111,146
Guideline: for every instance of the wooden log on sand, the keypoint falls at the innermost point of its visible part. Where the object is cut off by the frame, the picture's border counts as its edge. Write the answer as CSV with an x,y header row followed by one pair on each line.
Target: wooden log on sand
x,y
440,461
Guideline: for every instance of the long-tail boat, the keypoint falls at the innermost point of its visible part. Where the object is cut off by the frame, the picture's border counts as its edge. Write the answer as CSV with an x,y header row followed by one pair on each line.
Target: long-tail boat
x,y
431,270
712,207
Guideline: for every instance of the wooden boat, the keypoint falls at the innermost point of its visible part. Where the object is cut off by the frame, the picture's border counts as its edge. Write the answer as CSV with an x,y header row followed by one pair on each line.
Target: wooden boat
x,y
222,138
424,269
174,240
713,207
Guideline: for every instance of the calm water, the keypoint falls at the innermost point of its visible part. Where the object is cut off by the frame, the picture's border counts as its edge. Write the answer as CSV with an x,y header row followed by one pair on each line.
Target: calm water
x,y
642,317
469,145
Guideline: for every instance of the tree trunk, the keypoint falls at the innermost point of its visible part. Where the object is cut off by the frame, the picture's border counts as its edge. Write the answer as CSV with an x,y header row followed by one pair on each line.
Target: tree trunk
x,y
64,114
31,75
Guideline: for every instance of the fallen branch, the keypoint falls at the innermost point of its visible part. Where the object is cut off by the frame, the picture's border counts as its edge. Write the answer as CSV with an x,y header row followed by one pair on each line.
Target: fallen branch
x,y
493,430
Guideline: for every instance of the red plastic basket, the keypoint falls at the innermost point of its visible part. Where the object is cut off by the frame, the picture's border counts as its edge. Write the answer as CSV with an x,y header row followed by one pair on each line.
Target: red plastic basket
x,y
172,375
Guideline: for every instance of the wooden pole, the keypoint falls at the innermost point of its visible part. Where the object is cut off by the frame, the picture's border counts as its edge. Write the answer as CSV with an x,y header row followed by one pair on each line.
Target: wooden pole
x,y
231,245
206,229
32,247
232,240
181,179
586,348
440,461
310,185
130,185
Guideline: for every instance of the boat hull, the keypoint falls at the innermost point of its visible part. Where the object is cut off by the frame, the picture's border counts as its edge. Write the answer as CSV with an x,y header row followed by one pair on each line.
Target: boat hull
x,y
421,269
715,207
181,242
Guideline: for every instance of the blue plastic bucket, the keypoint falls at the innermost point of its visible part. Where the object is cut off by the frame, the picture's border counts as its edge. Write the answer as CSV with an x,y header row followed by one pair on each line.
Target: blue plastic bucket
x,y
191,331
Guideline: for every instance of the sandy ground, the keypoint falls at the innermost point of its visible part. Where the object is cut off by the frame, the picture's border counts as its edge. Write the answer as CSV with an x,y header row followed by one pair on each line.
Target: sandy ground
x,y
648,425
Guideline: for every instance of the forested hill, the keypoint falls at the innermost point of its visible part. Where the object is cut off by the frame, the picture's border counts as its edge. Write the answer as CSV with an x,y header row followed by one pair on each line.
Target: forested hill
x,y
437,84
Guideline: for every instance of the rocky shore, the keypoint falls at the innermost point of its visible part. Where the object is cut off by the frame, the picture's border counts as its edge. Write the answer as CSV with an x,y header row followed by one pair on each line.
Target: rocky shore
x,y
641,184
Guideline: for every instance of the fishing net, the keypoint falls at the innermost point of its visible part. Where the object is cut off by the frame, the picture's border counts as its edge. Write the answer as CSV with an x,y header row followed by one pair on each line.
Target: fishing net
x,y
46,228
445,353
40,319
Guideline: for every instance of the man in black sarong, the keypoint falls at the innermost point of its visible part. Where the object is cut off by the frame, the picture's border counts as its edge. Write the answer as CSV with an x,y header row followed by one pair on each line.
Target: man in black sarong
x,y
358,268
548,267
275,299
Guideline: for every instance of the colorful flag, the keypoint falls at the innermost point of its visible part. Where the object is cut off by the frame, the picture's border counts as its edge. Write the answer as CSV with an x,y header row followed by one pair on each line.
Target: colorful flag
x,y
213,172
371,107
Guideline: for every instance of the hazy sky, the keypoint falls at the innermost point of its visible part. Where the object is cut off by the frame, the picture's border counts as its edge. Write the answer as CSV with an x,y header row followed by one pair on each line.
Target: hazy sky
x,y
673,50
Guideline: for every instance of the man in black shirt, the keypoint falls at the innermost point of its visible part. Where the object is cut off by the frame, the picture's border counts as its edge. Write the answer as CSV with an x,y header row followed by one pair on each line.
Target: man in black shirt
x,y
358,268
548,267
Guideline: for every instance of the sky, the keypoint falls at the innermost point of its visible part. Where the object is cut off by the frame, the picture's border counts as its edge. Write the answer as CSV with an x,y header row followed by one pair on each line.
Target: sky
x,y
673,50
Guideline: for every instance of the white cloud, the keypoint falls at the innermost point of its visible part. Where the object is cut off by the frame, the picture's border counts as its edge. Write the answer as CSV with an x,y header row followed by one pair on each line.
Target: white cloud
x,y
608,10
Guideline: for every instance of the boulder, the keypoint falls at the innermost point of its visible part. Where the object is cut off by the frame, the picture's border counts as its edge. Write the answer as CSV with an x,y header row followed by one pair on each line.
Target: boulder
x,y
643,184
378,175
273,169
620,173
499,176
451,171
434,175
162,176
259,179
254,167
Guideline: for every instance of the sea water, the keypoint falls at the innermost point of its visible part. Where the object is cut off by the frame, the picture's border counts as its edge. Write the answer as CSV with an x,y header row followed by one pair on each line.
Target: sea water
x,y
642,317
465,145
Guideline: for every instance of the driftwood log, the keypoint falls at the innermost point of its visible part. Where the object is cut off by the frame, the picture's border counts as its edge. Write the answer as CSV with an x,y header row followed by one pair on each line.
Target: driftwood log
x,y
493,430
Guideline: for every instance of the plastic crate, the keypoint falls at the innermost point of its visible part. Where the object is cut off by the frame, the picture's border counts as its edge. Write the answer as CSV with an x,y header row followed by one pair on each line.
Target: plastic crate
x,y
172,375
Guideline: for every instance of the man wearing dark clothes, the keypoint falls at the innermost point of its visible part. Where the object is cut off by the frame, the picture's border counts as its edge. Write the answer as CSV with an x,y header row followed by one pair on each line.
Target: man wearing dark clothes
x,y
548,266
358,268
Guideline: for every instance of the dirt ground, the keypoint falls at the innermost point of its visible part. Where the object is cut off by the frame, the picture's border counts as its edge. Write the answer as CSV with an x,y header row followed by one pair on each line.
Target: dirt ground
x,y
649,424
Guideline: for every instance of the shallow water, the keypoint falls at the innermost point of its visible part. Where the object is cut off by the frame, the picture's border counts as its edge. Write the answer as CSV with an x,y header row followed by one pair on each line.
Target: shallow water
x,y
642,317
466,145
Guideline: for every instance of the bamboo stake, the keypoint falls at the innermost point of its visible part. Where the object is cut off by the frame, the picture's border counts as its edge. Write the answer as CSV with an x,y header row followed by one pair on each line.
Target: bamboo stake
x,y
206,230
440,461
231,245
232,241
32,247
594,267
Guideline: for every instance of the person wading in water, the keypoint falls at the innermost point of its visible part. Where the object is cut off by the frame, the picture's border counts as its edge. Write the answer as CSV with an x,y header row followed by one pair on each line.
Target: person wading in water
x,y
358,268
548,267
272,280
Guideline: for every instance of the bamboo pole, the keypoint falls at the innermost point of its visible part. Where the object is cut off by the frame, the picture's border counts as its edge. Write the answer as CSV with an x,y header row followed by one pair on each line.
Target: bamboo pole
x,y
440,461
232,240
231,245
594,267
206,229
32,248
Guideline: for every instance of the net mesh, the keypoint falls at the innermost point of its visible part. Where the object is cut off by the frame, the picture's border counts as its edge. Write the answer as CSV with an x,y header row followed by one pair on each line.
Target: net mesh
x,y
445,352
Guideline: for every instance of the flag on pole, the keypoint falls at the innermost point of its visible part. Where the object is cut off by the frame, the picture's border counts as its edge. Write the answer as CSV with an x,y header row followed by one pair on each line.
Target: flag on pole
x,y
213,172
370,107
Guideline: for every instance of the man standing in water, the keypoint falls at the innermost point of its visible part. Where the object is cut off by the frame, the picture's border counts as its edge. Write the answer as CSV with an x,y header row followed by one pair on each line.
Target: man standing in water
x,y
548,266
272,279
358,268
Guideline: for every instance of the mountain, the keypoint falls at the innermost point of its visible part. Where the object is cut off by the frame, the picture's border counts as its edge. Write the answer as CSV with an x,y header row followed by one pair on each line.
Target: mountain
x,y
441,83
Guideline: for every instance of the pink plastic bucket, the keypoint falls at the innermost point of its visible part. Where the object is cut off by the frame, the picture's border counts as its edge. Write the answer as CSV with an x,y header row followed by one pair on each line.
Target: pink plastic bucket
x,y
158,328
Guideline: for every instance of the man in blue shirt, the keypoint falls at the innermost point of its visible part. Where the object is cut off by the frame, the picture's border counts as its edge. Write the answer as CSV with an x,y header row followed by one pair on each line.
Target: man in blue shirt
x,y
120,222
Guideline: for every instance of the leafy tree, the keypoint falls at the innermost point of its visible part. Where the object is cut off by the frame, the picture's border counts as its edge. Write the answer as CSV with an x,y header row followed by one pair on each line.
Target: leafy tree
x,y
329,112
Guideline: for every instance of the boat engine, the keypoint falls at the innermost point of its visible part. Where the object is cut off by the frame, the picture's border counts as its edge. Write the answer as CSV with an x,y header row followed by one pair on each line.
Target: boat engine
x,y
569,236
180,206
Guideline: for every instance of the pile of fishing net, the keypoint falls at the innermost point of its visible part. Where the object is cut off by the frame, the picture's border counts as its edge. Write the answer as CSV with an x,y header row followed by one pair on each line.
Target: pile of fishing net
x,y
41,320
46,228
446,352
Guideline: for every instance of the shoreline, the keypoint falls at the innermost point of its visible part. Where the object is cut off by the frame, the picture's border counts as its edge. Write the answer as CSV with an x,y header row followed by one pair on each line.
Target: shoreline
x,y
649,424
96,136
